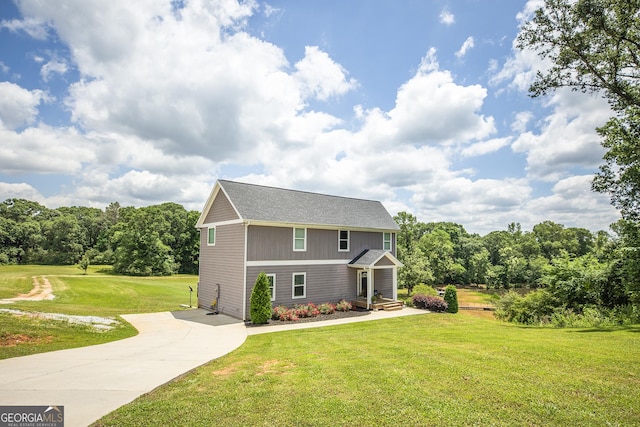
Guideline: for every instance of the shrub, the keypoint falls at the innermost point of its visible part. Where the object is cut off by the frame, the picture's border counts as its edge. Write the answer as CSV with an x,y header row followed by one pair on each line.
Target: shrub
x,y
436,304
429,302
343,305
419,300
451,297
278,311
423,289
260,310
306,310
289,314
327,308
536,307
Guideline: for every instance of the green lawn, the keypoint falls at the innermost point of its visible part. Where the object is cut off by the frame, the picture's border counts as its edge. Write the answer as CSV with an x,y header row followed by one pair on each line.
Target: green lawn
x,y
94,294
434,369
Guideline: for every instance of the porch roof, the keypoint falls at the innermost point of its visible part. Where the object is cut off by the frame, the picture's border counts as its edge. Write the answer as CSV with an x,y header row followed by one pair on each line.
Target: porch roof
x,y
370,257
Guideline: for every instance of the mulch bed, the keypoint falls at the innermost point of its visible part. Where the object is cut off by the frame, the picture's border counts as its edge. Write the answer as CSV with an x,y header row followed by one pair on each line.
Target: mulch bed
x,y
337,315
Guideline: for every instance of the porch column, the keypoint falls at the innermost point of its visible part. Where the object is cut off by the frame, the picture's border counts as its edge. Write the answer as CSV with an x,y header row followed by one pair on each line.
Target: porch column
x,y
369,287
395,283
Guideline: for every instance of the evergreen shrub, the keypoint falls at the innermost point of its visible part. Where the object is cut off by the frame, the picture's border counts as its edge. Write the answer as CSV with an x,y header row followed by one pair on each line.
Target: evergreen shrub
x,y
260,301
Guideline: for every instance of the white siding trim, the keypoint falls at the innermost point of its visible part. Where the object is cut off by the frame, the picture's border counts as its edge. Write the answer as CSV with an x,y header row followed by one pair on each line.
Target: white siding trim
x,y
292,262
320,226
219,223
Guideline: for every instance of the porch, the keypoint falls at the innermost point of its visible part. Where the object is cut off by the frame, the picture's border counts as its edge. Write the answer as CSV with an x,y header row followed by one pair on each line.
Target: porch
x,y
377,275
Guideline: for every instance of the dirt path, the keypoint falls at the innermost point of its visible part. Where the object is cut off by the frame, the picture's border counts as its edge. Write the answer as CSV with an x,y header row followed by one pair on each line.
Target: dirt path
x,y
41,291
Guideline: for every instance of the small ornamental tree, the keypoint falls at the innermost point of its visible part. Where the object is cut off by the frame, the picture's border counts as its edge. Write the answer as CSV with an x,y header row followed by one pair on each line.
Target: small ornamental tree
x,y
451,298
260,310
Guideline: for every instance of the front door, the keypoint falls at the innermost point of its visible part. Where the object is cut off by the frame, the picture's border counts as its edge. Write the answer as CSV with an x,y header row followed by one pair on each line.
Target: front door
x,y
362,284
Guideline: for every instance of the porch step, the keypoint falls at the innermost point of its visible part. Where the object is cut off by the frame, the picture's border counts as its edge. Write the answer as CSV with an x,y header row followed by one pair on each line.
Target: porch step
x,y
393,307
382,305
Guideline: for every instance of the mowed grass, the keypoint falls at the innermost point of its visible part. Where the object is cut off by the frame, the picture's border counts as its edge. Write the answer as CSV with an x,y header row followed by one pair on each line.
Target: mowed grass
x,y
432,369
94,294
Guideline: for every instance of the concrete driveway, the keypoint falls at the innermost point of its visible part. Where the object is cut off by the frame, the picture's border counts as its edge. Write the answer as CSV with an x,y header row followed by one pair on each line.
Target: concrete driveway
x,y
92,381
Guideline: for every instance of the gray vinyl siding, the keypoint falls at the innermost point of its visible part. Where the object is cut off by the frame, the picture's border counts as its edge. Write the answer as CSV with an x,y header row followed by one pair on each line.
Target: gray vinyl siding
x,y
223,264
221,210
383,281
325,283
384,261
276,244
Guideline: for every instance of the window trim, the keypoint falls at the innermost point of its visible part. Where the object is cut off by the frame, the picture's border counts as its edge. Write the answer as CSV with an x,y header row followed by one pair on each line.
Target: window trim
x,y
293,285
385,241
304,239
273,294
340,240
215,232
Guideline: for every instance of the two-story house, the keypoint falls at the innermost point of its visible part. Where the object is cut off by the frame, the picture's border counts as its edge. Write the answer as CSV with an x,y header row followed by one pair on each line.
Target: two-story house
x,y
313,247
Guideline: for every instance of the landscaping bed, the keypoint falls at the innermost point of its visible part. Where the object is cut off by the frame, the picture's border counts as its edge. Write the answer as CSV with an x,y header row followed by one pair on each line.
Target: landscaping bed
x,y
353,312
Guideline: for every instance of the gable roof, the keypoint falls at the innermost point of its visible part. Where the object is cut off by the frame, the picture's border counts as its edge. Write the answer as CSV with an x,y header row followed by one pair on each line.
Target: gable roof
x,y
278,205
370,257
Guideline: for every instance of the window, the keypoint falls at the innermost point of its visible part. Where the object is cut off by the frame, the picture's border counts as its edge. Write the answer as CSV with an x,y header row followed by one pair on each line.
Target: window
x,y
299,239
211,237
386,241
299,285
272,285
343,241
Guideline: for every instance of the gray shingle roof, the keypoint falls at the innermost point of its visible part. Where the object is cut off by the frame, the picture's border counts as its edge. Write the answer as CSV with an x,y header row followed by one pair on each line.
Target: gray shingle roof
x,y
271,204
370,256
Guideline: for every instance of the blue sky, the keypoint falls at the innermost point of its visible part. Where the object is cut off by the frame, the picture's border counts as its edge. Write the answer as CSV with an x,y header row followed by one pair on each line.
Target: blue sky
x,y
420,104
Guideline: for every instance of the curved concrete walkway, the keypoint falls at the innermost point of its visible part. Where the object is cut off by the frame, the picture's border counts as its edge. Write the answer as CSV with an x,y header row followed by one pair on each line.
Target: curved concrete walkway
x,y
92,381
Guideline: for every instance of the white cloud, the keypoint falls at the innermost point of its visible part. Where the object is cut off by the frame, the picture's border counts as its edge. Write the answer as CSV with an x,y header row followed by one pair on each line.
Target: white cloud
x,y
485,147
53,66
573,204
320,76
567,138
447,17
19,106
521,121
19,191
432,108
44,150
469,43
270,10
32,26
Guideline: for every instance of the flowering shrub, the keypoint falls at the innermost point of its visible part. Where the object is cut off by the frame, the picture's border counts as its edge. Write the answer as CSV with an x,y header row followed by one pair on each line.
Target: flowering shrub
x,y
343,305
290,314
306,310
327,308
429,302
278,311
300,311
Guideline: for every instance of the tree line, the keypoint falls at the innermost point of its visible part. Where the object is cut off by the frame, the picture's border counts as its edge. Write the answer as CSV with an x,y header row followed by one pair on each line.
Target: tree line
x,y
576,266
153,240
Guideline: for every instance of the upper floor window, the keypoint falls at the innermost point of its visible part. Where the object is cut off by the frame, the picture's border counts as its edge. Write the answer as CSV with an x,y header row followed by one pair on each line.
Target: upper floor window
x,y
272,285
343,240
299,239
386,241
211,236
